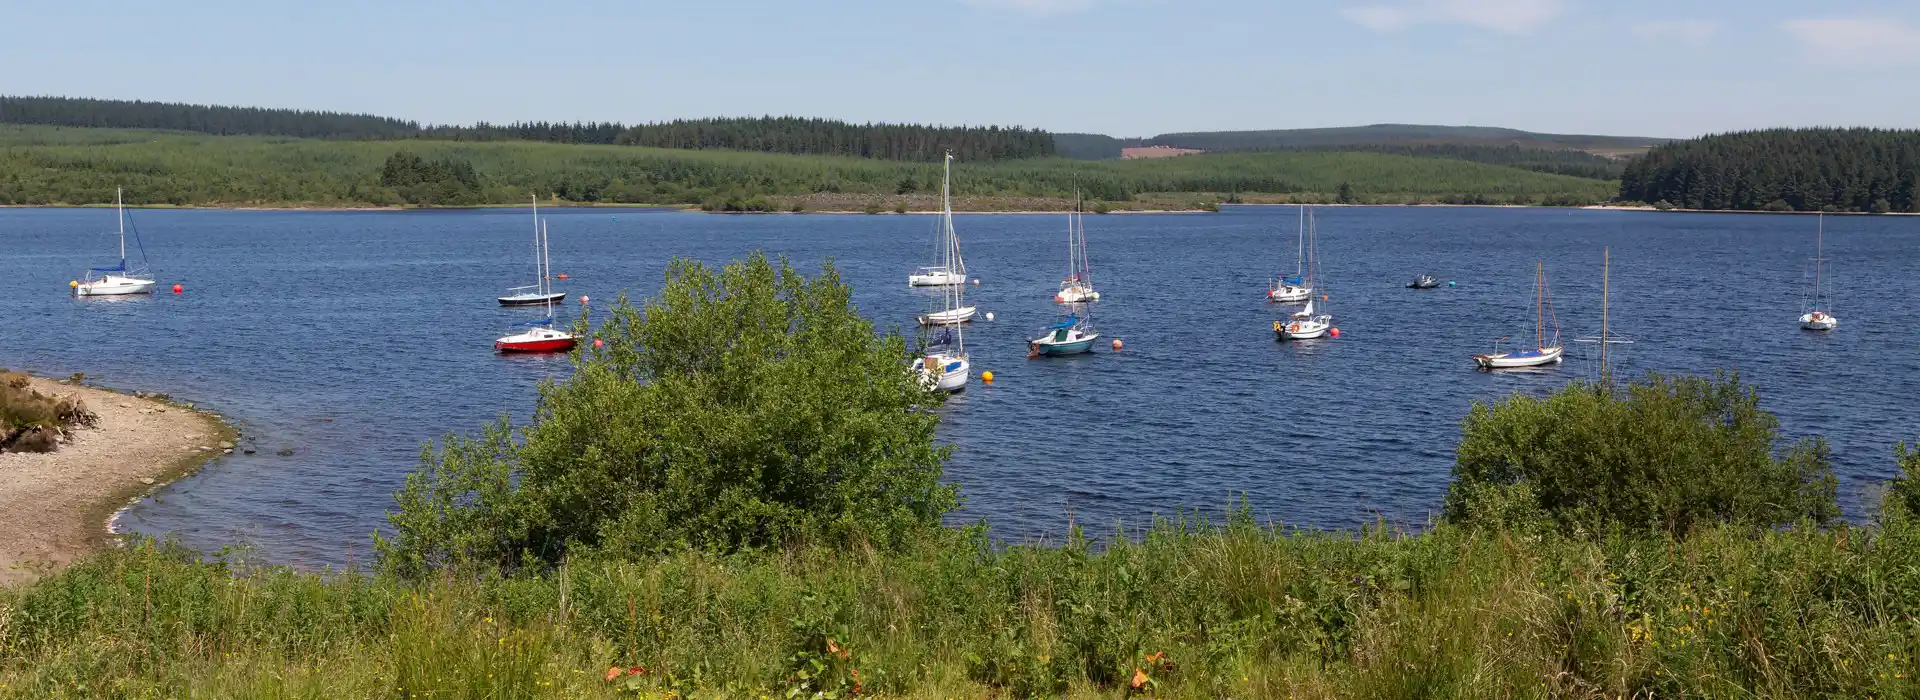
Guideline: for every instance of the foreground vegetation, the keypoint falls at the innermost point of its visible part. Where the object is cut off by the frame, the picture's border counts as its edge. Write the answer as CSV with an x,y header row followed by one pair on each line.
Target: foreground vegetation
x,y
1857,170
737,495
46,165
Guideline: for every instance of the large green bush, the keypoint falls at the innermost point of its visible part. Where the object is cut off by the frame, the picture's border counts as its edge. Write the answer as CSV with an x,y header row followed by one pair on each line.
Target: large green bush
x,y
1663,454
743,408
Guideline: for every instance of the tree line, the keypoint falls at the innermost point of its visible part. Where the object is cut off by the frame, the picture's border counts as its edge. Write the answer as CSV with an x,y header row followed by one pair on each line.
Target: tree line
x,y
1824,169
794,135
206,119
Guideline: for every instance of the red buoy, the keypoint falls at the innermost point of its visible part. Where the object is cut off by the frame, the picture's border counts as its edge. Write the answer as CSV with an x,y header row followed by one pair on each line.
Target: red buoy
x,y
1335,332
1117,345
560,276
177,289
598,342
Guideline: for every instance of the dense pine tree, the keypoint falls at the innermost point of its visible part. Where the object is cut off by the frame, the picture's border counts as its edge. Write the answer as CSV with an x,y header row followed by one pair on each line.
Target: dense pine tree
x,y
1864,170
207,119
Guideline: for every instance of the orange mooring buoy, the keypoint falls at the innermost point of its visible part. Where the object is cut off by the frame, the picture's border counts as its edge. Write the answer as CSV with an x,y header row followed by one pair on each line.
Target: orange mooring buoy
x,y
598,342
561,276
1335,332
1117,345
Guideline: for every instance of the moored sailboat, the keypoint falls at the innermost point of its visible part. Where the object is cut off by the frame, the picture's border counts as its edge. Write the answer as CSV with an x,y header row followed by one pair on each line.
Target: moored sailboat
x,y
1072,336
541,291
1541,353
1309,322
119,279
539,335
1077,286
949,268
953,309
1816,316
1295,288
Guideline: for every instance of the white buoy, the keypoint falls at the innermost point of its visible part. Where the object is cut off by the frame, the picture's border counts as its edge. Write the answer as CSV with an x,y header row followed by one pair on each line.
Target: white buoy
x,y
976,281
989,315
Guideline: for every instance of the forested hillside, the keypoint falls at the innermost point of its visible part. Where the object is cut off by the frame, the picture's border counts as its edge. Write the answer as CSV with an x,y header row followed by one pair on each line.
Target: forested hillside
x,y
1865,170
43,165
1560,161
795,135
206,119
1397,134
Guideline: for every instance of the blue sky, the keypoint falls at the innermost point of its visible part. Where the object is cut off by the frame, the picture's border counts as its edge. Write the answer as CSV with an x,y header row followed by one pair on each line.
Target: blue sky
x,y
1120,67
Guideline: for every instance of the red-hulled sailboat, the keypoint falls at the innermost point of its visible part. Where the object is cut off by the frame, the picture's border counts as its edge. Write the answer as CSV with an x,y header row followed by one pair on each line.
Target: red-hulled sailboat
x,y
540,335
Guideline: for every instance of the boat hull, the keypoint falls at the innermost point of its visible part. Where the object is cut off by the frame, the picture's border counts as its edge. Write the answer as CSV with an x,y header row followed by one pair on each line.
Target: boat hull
x,y
1301,330
951,317
1075,294
542,340
1819,322
942,372
114,286
533,299
1509,360
936,279
1071,347
1286,293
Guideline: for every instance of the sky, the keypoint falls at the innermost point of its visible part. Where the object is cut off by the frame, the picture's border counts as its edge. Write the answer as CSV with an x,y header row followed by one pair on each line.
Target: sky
x,y
1664,68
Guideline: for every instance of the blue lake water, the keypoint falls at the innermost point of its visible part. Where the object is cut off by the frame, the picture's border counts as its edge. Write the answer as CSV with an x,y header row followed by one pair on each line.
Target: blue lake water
x,y
353,337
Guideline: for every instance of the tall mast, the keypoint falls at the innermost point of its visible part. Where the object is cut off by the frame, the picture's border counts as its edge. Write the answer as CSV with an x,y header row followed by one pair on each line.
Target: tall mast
x,y
1606,273
1539,305
1300,253
1819,238
120,211
537,281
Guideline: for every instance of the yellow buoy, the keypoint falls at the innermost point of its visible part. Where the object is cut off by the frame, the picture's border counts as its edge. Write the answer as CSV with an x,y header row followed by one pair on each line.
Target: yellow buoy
x,y
73,284
986,377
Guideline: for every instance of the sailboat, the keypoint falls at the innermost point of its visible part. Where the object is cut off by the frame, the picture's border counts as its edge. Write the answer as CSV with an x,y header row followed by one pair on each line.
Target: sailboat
x,y
1295,288
541,291
943,364
540,335
1817,318
1077,286
1307,323
1072,336
1541,353
948,269
119,279
954,309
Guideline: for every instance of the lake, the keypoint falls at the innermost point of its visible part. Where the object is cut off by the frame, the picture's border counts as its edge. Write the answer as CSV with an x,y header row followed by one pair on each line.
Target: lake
x,y
351,338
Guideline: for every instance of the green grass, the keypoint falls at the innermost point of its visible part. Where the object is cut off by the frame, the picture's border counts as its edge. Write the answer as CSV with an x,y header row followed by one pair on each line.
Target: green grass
x,y
52,166
1237,610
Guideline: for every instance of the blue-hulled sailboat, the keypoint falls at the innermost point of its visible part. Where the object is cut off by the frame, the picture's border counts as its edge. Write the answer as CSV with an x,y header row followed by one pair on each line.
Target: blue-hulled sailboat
x,y
119,279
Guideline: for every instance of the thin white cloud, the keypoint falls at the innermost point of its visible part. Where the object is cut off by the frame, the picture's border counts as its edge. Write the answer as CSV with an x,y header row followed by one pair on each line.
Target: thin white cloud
x,y
1857,41
1686,31
1504,16
1035,7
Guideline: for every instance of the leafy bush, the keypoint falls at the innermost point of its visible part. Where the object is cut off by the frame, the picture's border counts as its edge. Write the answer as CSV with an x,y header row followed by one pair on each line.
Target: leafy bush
x,y
1903,491
743,408
1664,454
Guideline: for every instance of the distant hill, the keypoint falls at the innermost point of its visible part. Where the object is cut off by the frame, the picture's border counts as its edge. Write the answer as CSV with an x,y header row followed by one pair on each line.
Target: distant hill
x,y
1403,134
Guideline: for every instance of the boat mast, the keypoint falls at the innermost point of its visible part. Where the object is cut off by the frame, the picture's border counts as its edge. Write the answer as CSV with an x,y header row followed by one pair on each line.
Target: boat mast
x,y
1606,273
120,211
1300,252
1819,238
539,285
1539,306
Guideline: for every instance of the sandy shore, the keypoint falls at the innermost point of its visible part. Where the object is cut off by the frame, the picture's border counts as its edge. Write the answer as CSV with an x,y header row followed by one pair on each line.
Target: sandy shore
x,y
54,507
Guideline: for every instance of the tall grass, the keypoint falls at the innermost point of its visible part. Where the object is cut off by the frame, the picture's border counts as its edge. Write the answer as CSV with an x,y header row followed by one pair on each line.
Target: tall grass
x,y
1188,609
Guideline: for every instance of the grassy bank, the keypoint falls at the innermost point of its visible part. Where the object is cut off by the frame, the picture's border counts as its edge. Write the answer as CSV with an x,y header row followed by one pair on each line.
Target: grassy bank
x,y
1198,611
50,165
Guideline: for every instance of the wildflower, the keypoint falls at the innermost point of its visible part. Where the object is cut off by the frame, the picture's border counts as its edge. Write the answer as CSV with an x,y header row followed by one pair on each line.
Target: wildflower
x,y
613,673
1139,679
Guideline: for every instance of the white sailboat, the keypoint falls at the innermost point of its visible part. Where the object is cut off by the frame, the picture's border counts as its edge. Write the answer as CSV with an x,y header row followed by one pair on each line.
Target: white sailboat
x,y
541,291
1307,323
1817,317
948,269
1077,286
1295,288
953,308
119,279
1542,353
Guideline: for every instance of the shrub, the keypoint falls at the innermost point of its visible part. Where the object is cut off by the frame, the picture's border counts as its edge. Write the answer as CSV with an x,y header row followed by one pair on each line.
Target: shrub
x,y
34,422
1663,454
743,408
1903,491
